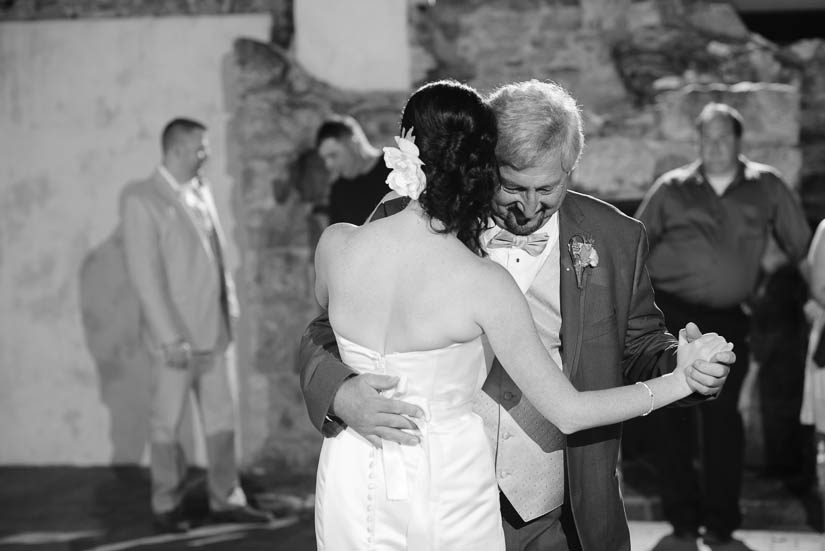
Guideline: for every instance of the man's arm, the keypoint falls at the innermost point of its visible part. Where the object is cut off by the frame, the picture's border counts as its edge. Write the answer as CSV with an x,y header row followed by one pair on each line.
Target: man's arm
x,y
790,227
322,373
143,264
650,351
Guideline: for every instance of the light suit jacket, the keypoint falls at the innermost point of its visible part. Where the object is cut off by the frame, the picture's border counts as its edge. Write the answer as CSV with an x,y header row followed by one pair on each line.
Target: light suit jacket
x,y
612,334
184,288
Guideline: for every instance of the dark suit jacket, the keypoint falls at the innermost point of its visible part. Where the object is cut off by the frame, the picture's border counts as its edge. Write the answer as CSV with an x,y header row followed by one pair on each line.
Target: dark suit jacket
x,y
612,334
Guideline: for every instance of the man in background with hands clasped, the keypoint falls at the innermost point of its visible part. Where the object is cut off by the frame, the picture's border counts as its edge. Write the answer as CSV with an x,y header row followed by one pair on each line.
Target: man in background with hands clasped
x,y
174,249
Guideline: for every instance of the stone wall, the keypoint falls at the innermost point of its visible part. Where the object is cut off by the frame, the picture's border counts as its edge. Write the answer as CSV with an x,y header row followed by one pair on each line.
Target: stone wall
x,y
274,126
82,9
625,61
281,32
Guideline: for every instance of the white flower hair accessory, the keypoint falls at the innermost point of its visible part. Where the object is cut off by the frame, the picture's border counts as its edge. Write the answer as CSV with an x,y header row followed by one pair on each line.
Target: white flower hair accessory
x,y
407,179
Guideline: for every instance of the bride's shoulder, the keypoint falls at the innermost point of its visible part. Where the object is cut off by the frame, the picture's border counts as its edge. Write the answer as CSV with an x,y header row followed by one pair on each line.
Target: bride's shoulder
x,y
337,231
490,279
333,237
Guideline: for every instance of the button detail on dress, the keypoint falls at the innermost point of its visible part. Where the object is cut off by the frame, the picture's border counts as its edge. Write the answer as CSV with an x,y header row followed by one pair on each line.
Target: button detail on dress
x,y
508,395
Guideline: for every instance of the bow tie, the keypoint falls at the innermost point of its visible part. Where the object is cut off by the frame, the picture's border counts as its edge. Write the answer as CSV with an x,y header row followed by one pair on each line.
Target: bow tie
x,y
532,244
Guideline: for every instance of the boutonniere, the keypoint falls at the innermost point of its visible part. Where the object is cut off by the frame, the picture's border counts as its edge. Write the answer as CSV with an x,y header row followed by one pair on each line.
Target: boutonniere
x,y
583,254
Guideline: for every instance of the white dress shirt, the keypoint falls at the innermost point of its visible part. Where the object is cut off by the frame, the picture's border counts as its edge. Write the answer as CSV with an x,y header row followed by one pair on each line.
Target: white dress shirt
x,y
521,265
524,268
189,193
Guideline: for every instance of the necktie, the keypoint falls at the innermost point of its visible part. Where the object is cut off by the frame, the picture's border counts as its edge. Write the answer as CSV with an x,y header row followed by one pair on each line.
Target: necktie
x,y
532,244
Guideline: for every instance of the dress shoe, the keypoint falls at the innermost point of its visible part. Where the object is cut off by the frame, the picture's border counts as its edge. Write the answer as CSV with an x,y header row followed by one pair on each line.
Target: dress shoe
x,y
678,542
170,522
240,515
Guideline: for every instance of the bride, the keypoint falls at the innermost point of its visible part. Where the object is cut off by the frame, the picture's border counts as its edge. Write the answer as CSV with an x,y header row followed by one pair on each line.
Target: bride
x,y
411,295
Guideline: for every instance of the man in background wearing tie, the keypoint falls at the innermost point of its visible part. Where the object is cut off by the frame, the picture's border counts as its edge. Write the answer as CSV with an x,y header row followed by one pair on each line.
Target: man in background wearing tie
x,y
174,256
580,264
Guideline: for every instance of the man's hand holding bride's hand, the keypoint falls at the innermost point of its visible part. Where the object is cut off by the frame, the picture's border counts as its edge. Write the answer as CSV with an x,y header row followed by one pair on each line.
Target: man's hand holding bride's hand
x,y
703,359
360,405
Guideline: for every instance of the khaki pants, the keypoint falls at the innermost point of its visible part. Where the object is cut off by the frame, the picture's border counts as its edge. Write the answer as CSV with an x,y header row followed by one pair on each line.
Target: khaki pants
x,y
208,376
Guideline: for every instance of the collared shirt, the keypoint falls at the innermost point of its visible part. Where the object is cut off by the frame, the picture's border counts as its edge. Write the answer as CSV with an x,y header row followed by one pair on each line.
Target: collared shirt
x,y
171,180
720,183
705,248
524,268
192,198
541,489
521,265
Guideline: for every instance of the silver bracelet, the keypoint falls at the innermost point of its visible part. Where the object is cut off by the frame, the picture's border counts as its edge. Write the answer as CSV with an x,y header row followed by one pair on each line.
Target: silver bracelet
x,y
650,393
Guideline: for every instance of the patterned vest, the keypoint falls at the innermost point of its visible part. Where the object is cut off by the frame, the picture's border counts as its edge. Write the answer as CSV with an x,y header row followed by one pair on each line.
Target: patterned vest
x,y
529,450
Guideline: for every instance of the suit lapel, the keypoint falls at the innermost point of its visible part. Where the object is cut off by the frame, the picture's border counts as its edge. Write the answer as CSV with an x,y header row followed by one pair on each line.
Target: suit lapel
x,y
175,198
209,200
572,298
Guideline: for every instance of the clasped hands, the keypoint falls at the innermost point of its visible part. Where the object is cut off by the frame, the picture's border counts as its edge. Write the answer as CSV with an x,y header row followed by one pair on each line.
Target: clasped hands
x,y
359,403
178,354
703,359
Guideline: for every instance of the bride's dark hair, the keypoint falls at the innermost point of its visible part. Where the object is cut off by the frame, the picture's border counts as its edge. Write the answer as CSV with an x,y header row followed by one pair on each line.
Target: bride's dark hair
x,y
455,131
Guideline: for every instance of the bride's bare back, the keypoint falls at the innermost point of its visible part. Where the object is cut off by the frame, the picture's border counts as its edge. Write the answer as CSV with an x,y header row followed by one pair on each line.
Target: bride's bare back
x,y
395,285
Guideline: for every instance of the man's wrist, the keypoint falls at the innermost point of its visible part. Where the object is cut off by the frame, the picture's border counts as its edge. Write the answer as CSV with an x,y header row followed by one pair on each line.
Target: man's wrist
x,y
331,410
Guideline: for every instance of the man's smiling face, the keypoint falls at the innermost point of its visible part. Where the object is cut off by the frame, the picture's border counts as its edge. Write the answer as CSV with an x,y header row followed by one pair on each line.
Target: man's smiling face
x,y
526,199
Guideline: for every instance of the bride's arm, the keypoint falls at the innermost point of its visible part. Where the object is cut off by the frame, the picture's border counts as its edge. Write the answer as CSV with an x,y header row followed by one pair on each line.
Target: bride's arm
x,y
503,314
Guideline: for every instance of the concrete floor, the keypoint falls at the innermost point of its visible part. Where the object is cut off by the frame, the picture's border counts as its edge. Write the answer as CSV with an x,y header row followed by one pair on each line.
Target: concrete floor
x,y
106,509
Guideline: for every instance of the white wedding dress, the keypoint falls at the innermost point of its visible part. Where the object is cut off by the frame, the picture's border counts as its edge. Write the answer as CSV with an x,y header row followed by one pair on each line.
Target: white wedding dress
x,y
440,495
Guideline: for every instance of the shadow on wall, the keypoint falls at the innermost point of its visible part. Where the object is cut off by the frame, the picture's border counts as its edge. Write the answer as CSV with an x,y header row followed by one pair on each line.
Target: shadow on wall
x,y
111,326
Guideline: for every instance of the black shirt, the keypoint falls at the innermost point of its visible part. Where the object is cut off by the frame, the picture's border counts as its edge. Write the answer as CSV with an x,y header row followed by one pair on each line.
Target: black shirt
x,y
705,249
353,199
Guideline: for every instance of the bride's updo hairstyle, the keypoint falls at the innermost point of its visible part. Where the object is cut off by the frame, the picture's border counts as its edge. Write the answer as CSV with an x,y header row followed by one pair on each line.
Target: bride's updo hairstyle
x,y
455,132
